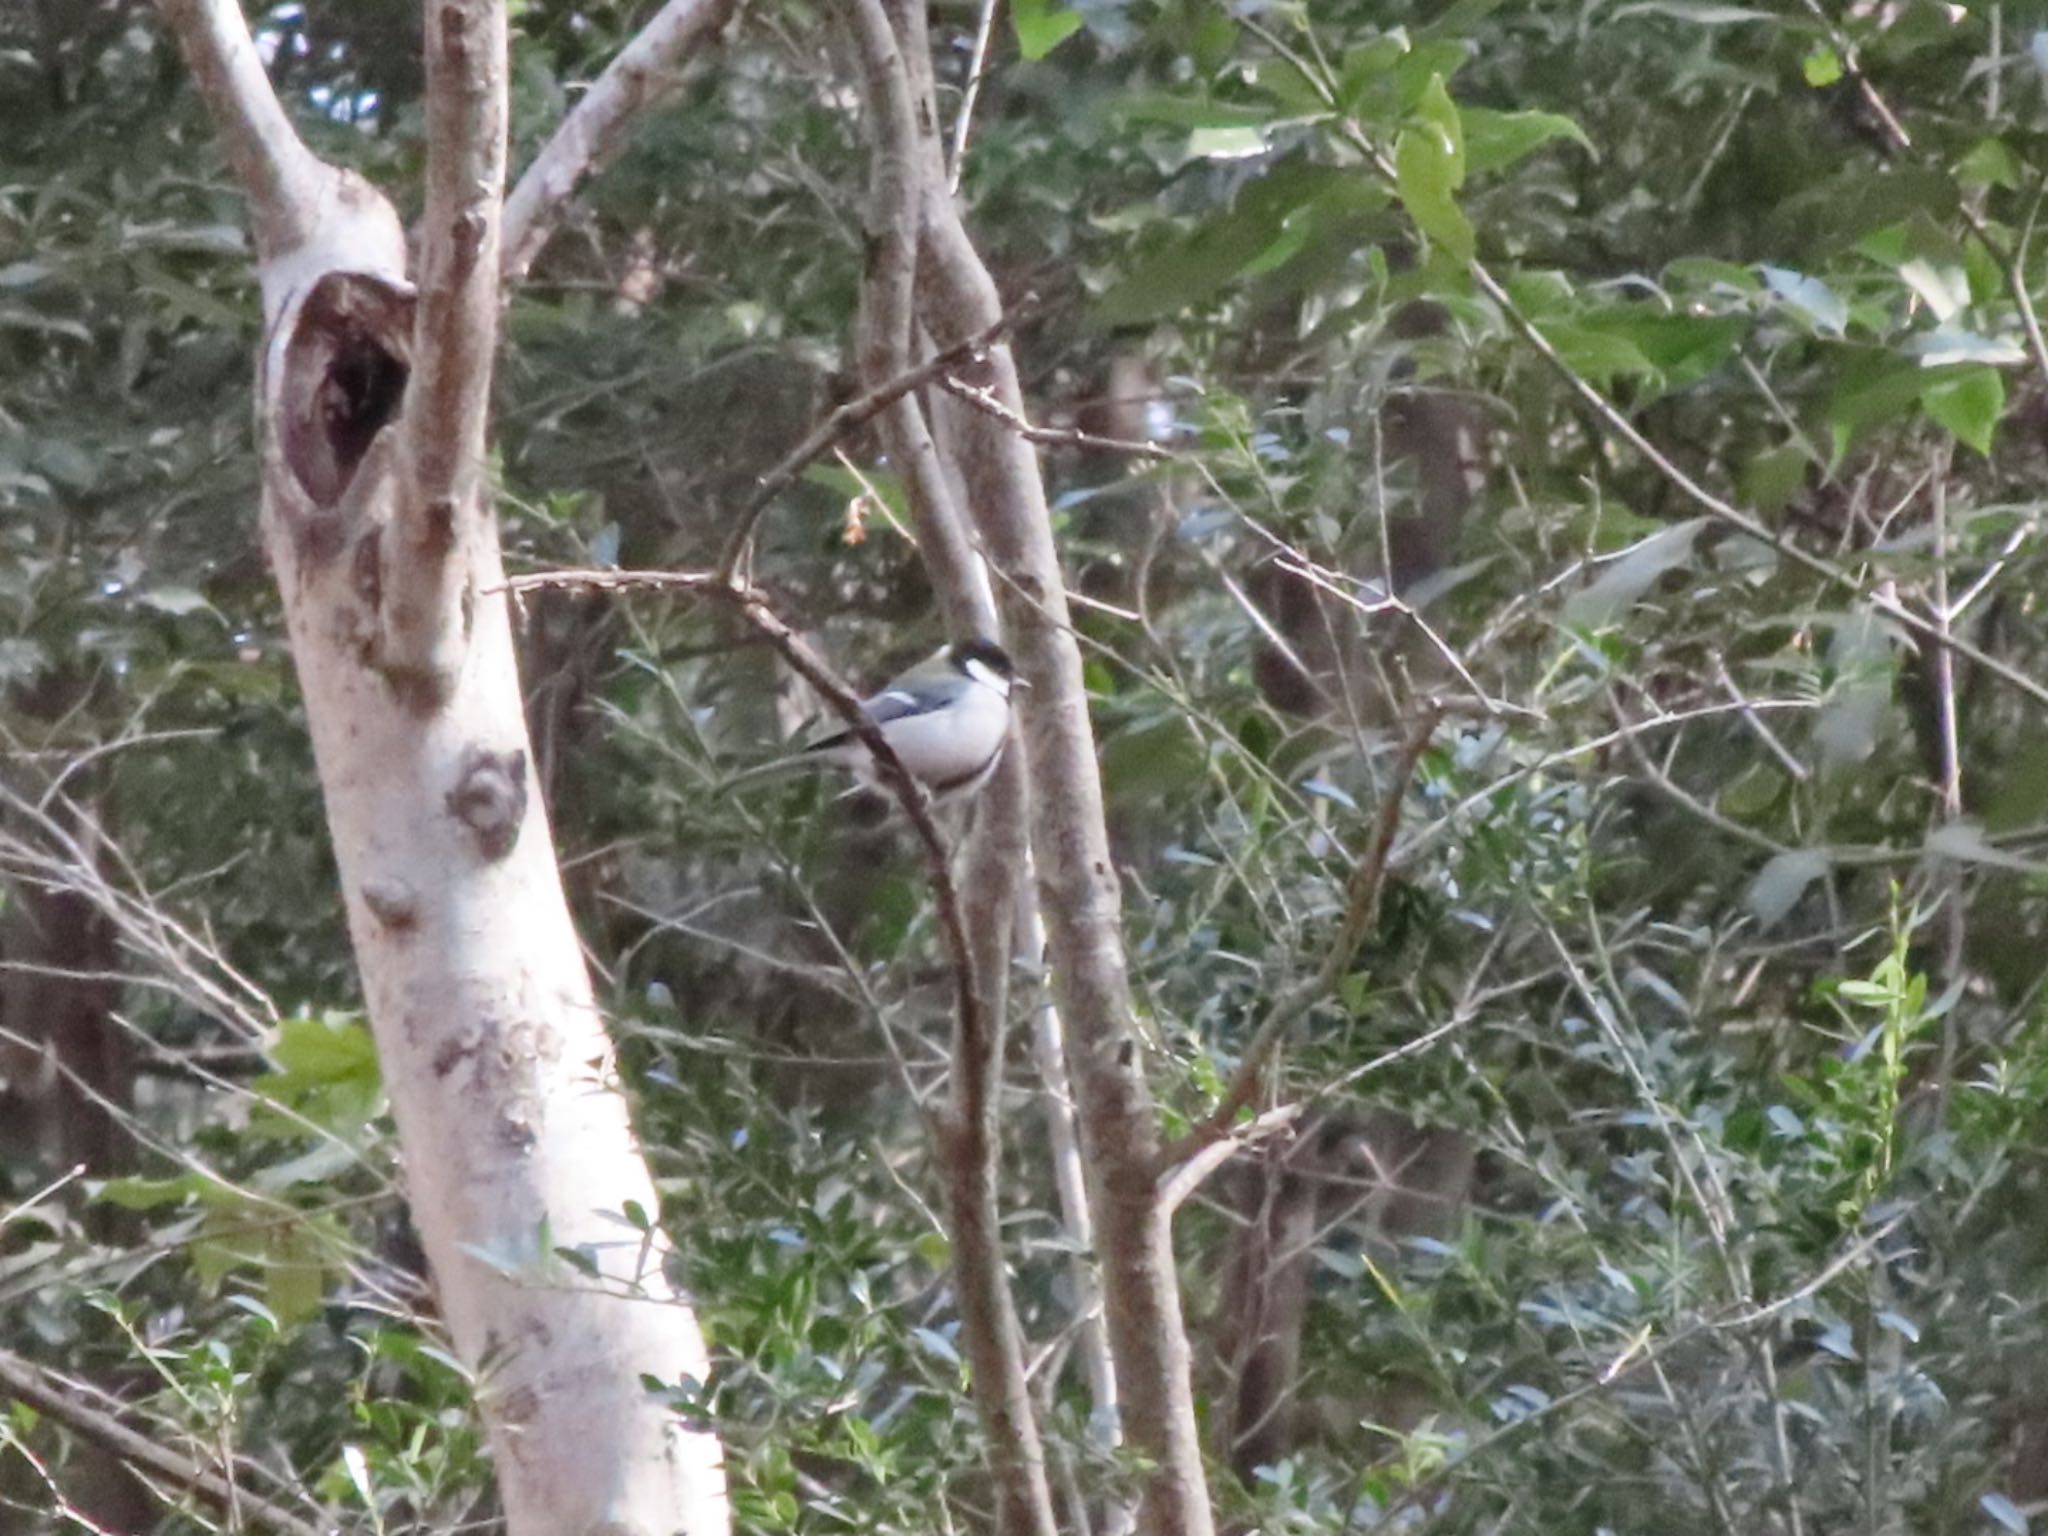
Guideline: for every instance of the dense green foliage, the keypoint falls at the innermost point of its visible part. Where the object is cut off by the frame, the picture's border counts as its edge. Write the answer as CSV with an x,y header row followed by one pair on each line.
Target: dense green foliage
x,y
1718,927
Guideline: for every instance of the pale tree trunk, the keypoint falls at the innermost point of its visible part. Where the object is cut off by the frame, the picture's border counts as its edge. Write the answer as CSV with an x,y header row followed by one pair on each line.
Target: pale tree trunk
x,y
377,521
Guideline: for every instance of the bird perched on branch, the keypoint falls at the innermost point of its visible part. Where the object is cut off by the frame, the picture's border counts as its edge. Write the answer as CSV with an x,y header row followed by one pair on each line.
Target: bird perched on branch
x,y
946,719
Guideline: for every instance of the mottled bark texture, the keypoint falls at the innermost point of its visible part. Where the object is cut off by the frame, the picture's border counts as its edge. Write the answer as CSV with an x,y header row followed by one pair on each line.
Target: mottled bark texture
x,y
377,523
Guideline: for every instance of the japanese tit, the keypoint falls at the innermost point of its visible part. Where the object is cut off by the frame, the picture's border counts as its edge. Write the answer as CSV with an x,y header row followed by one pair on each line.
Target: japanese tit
x,y
946,719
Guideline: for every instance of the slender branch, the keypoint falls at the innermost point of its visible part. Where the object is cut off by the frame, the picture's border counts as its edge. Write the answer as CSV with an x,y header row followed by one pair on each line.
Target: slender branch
x,y
269,159
889,329
985,401
977,68
851,416
26,1383
646,70
1361,912
426,557
756,608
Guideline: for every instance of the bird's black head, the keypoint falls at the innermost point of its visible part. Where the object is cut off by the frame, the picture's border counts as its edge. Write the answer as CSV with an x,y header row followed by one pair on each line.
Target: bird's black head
x,y
986,652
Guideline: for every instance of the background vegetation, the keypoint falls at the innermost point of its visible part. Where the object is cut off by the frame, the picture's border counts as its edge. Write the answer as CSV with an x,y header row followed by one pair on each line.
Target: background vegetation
x,y
1717,933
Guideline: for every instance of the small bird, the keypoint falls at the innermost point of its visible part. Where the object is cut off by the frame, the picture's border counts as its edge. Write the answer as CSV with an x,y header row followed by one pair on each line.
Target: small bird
x,y
946,719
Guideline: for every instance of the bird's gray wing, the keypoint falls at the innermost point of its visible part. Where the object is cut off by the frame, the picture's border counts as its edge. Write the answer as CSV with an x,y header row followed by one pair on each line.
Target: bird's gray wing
x,y
892,704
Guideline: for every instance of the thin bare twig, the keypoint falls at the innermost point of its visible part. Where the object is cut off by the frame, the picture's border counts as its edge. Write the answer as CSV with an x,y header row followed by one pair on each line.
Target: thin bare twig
x,y
848,418
984,400
977,67
1361,911
26,1383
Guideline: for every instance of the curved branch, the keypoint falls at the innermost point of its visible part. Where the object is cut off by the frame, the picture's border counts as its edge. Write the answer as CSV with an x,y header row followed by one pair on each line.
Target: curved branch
x,y
278,174
591,136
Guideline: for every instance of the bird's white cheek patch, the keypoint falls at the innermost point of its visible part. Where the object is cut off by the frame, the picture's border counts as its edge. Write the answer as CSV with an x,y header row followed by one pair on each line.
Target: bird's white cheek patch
x,y
987,676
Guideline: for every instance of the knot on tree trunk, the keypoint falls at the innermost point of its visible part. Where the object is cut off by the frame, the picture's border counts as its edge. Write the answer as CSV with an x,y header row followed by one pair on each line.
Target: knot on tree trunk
x,y
489,798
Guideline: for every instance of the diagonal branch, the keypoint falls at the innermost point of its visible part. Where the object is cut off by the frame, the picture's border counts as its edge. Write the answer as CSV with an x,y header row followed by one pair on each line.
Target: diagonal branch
x,y
25,1383
276,170
1361,910
850,417
591,136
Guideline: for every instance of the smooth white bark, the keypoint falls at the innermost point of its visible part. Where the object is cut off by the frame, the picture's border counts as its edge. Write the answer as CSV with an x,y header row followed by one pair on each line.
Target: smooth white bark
x,y
515,1137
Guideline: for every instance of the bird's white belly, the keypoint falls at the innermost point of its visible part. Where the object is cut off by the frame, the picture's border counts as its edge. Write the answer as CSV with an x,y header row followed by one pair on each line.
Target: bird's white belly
x,y
951,744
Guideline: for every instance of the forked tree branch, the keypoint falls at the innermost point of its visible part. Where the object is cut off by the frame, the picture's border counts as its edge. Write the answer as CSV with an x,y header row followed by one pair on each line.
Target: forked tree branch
x,y
271,162
971,1143
1078,885
597,128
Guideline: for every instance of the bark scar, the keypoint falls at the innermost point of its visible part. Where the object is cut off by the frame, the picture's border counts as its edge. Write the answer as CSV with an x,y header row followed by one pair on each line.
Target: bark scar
x,y
489,798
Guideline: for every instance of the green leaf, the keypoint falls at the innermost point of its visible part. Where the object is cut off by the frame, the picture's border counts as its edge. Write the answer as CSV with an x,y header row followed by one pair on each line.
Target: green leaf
x,y
1367,66
1632,573
139,1194
1990,164
1774,477
1429,167
1436,108
1970,405
294,1279
1238,141
1598,355
1945,345
1701,13
1496,140
1040,28
1944,289
1821,67
1810,297
1195,266
1683,348
1871,389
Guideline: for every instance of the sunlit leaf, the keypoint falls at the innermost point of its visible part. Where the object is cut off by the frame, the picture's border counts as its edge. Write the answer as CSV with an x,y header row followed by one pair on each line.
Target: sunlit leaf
x,y
1810,297
1041,28
1970,405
